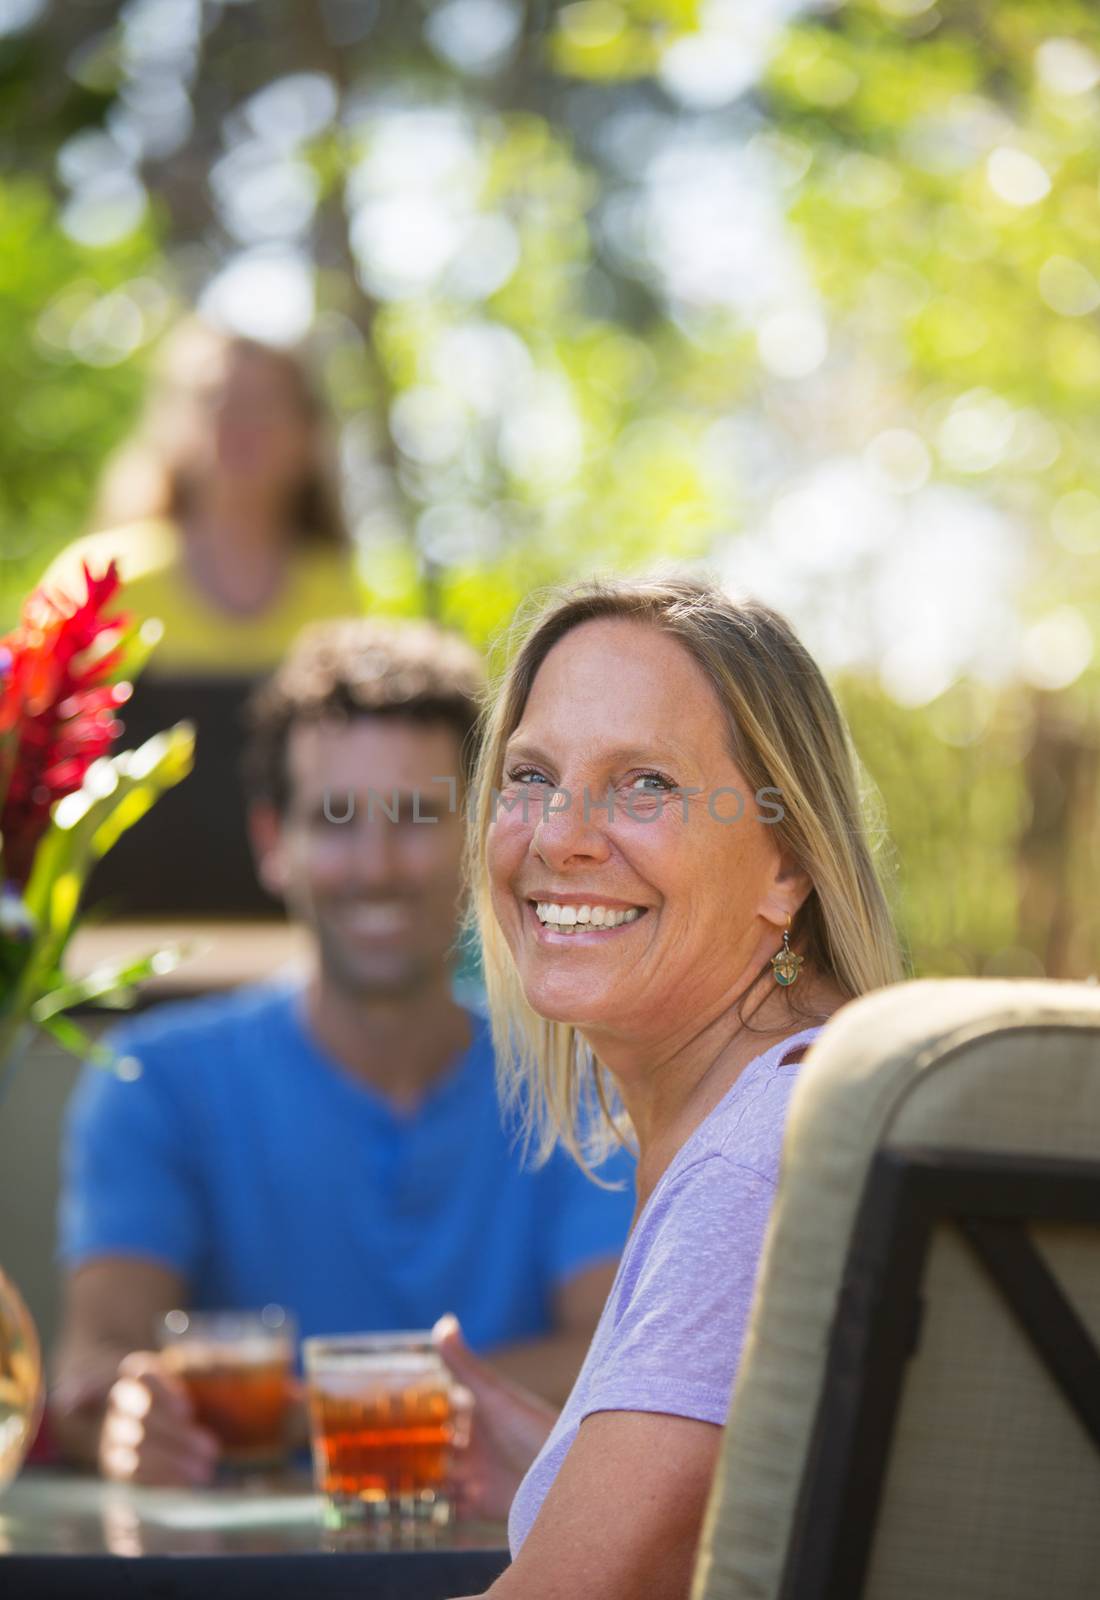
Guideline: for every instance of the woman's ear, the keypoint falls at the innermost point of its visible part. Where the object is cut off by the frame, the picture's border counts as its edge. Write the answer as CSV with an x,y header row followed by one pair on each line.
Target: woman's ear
x,y
265,835
788,888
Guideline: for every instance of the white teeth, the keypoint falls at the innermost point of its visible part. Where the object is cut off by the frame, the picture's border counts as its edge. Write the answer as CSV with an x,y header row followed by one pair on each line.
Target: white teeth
x,y
381,917
567,919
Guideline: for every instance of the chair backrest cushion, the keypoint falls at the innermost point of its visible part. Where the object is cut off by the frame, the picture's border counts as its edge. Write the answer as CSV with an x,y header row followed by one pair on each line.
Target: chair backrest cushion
x,y
992,1486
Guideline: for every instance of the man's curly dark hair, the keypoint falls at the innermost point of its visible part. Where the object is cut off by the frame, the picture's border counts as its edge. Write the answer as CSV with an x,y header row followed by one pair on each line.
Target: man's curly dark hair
x,y
369,666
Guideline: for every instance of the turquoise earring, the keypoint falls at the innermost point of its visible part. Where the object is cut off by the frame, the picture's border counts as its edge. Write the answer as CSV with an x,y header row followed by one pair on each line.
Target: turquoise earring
x,y
787,963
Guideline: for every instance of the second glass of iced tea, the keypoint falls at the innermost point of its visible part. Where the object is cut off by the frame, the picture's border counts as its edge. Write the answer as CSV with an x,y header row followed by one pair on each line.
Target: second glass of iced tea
x,y
385,1419
236,1366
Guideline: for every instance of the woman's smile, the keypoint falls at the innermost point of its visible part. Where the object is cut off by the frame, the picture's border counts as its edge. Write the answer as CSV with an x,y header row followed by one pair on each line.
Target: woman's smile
x,y
572,920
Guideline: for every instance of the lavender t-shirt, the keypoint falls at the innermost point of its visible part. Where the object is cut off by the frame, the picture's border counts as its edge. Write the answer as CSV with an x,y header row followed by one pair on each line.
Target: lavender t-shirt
x,y
669,1338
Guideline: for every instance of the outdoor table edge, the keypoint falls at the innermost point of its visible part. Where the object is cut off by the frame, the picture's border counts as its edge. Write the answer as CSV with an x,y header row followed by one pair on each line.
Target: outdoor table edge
x,y
326,1575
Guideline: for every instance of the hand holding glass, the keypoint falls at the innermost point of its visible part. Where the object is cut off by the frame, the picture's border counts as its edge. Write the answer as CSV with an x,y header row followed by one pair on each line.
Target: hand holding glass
x,y
236,1366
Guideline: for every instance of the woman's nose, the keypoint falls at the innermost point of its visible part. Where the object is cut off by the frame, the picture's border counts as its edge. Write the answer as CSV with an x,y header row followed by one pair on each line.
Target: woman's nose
x,y
568,826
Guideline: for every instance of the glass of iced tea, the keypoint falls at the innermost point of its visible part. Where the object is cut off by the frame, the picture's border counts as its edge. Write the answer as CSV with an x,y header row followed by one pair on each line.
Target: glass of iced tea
x,y
385,1419
237,1368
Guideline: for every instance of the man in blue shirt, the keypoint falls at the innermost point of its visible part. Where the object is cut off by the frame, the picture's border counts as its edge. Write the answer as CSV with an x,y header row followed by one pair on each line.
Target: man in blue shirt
x,y
334,1143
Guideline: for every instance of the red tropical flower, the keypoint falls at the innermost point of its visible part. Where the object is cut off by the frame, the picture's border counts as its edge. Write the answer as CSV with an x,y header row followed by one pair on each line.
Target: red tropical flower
x,y
56,708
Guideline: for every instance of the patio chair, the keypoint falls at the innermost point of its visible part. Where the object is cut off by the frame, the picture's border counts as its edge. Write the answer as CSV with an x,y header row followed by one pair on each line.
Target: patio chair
x,y
917,1410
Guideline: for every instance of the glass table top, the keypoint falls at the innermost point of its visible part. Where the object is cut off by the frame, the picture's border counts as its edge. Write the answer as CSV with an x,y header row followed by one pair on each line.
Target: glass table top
x,y
47,1512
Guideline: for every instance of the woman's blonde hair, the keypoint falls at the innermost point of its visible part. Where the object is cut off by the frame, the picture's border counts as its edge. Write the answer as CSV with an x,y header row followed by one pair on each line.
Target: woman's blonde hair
x,y
786,732
149,476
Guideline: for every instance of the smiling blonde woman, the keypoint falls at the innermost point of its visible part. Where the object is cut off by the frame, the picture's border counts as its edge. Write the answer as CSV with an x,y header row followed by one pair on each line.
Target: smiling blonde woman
x,y
675,883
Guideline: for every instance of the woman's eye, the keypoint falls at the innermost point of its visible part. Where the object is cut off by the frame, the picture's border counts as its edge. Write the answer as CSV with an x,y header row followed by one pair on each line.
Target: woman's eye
x,y
657,779
526,775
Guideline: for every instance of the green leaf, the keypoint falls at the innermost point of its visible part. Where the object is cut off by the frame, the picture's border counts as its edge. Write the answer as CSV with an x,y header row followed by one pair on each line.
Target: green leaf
x,y
73,1039
83,827
135,645
103,981
84,824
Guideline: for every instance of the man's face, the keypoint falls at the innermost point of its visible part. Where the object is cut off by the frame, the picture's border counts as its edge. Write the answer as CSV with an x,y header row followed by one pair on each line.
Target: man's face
x,y
381,895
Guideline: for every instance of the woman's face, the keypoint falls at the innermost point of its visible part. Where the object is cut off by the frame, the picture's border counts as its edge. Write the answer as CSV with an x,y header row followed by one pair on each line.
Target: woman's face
x,y
242,421
261,428
618,716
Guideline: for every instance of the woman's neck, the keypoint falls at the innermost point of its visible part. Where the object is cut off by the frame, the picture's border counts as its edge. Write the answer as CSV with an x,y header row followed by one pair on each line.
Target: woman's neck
x,y
236,548
238,519
675,1087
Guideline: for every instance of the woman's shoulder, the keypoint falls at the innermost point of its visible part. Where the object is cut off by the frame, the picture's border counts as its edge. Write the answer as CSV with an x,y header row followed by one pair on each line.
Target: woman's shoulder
x,y
141,549
745,1129
325,561
326,581
697,1237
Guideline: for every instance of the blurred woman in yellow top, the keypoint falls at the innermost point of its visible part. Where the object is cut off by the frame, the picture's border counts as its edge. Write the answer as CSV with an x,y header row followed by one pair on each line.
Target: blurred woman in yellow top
x,y
222,509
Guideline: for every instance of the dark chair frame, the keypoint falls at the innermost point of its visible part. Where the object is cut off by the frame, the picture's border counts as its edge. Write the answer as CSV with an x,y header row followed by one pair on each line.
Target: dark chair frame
x,y
910,1192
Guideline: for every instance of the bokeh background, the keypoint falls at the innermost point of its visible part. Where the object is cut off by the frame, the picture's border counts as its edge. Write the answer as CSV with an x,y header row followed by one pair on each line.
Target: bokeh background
x,y
807,293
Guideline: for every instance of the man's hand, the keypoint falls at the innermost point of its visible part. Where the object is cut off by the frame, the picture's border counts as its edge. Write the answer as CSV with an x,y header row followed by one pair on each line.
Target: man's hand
x,y
110,1306
510,1426
149,1434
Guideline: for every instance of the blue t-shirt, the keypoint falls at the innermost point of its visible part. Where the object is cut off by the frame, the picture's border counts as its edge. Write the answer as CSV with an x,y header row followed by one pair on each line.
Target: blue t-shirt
x,y
262,1170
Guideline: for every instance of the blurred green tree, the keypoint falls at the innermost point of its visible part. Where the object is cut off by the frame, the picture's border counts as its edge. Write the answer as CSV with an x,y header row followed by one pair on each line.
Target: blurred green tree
x,y
949,201
70,387
565,325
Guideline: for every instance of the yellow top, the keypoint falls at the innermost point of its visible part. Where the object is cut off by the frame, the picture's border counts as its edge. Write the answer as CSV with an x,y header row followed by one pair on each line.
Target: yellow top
x,y
200,637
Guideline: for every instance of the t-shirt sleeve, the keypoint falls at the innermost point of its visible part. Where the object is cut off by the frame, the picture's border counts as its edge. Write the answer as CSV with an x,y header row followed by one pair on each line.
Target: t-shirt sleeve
x,y
676,1340
584,1223
130,1183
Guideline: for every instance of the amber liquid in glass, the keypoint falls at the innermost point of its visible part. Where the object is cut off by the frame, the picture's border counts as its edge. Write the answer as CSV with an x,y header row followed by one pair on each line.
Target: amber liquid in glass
x,y
385,1446
243,1402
